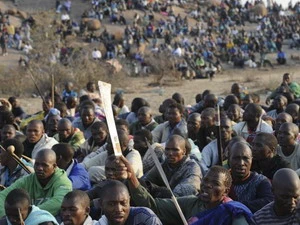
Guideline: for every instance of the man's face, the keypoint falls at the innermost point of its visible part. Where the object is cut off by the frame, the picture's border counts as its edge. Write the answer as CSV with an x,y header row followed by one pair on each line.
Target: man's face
x,y
43,167
34,132
116,206
47,105
111,171
286,199
91,87
207,120
278,102
73,212
226,130
174,115
286,136
64,131
260,150
174,151
52,123
12,212
7,133
281,119
213,188
144,117
87,116
193,125
234,114
240,162
99,135
140,143
249,113
287,78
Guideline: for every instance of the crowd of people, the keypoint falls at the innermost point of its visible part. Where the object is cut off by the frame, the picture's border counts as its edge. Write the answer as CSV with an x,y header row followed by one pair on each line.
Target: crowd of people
x,y
227,160
199,49
242,169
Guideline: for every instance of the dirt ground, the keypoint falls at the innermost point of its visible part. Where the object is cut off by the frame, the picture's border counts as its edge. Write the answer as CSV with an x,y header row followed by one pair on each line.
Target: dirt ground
x,y
255,80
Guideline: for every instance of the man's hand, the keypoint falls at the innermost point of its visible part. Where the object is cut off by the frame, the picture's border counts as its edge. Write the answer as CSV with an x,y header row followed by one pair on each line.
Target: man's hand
x,y
122,165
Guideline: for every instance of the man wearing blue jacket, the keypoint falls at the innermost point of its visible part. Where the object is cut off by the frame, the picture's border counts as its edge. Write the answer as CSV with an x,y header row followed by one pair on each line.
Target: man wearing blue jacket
x,y
76,172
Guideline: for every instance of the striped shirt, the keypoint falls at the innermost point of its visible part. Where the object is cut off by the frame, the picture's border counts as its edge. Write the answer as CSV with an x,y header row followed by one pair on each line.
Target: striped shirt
x,y
267,216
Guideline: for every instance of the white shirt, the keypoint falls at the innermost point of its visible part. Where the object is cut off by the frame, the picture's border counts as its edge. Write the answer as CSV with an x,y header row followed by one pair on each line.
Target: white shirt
x,y
96,54
65,17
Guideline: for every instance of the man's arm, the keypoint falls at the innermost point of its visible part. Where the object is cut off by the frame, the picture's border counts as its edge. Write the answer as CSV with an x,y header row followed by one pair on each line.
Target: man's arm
x,y
53,204
164,208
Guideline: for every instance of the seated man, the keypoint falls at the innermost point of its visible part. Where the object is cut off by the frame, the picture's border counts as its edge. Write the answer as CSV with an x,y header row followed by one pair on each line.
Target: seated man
x,y
210,154
75,209
10,170
86,120
265,160
281,119
46,187
279,104
193,127
288,148
141,146
252,123
51,122
145,121
18,210
68,134
208,130
96,142
115,205
175,120
284,208
183,173
95,165
212,200
8,131
36,139
250,188
75,172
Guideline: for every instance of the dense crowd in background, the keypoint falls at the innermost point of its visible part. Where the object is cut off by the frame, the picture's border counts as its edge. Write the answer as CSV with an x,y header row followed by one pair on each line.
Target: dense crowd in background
x,y
199,49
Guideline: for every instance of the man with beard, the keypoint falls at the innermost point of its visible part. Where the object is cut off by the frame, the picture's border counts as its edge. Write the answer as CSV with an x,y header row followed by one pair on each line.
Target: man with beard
x,y
283,210
46,187
68,134
210,154
252,123
289,149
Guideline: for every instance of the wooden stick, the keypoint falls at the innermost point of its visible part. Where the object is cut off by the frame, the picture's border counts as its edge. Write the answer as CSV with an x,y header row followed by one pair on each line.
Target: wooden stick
x,y
15,157
20,217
